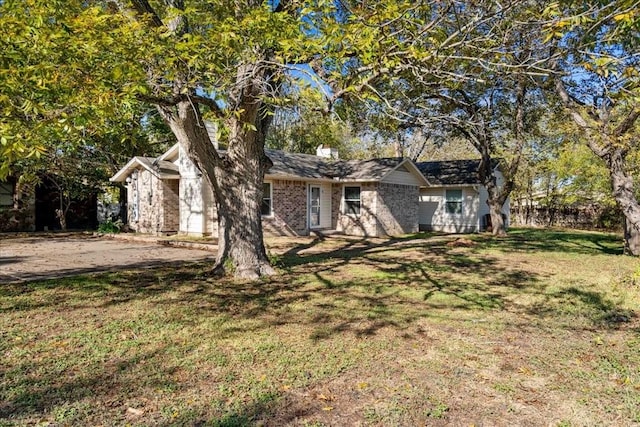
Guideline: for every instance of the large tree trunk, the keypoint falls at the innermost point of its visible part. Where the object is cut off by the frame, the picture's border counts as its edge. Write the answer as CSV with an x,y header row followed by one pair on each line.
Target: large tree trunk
x,y
237,181
631,239
622,186
237,176
239,199
498,227
610,148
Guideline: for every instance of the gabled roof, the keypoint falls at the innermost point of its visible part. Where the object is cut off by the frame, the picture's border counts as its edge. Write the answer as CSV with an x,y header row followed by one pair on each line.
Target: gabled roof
x,y
307,166
311,167
451,172
160,168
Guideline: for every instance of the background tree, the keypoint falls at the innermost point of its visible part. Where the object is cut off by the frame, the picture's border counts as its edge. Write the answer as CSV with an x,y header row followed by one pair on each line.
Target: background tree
x,y
485,91
599,84
303,126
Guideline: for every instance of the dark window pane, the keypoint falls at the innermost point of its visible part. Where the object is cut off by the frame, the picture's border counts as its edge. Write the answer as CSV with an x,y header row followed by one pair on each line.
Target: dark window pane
x,y
352,193
352,200
352,207
266,207
453,204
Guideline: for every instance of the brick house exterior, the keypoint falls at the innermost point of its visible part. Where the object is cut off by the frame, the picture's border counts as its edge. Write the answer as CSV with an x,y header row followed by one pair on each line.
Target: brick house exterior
x,y
302,193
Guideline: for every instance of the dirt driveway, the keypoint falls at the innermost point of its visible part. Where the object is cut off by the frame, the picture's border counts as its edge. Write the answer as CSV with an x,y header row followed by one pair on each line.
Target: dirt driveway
x,y
49,255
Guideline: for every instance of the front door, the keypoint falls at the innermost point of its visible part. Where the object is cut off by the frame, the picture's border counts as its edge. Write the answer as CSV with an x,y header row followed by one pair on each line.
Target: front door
x,y
314,206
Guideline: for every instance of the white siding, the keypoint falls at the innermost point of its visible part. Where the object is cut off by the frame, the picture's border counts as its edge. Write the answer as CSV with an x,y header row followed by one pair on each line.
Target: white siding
x,y
403,178
429,212
433,216
325,205
191,201
191,206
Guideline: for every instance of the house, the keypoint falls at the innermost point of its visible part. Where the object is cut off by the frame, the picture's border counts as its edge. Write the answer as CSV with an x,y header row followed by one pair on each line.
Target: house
x,y
303,193
455,201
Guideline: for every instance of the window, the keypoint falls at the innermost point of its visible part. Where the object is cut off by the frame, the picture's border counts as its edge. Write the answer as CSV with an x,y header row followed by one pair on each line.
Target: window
x,y
351,200
266,199
6,194
453,203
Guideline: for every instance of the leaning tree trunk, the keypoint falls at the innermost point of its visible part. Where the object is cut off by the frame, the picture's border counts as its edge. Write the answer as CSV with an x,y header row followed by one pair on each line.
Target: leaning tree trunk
x,y
622,185
496,195
498,227
237,181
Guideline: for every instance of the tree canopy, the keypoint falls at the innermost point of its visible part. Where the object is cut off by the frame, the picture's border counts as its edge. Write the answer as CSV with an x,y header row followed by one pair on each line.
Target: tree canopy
x,y
76,70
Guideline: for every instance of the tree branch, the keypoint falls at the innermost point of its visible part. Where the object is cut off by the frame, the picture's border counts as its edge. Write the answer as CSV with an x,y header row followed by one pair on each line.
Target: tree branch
x,y
142,7
627,123
175,100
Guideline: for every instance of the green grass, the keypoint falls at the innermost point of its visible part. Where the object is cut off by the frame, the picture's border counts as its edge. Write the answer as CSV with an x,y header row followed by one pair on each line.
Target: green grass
x,y
540,326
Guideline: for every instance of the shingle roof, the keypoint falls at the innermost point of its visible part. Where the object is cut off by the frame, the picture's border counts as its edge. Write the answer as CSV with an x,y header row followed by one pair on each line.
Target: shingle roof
x,y
308,166
364,170
298,165
314,167
451,172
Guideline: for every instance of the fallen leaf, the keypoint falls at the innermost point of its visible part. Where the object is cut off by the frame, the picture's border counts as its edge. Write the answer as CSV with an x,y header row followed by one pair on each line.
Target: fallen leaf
x,y
135,411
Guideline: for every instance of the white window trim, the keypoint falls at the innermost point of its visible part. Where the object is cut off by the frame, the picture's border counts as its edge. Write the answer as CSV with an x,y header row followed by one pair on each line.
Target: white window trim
x,y
444,205
309,187
270,215
343,203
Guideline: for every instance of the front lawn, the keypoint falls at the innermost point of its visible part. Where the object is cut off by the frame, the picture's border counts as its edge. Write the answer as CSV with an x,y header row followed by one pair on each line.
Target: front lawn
x,y
539,328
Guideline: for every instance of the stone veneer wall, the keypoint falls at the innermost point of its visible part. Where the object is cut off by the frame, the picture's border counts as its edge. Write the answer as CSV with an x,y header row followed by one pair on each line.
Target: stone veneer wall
x,y
158,204
289,206
364,224
397,209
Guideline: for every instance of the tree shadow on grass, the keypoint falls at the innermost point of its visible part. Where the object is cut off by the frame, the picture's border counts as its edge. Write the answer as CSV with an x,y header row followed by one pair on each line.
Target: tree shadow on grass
x,y
332,288
33,388
602,311
361,285
554,240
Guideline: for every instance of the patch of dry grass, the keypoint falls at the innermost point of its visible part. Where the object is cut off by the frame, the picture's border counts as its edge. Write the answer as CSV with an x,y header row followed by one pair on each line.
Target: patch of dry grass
x,y
539,328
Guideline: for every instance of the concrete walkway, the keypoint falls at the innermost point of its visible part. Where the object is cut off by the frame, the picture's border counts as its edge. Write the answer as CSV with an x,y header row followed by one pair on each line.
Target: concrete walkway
x,y
44,256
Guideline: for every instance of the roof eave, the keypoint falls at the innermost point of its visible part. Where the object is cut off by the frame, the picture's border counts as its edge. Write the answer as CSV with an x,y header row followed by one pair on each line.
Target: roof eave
x,y
126,170
286,177
171,152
